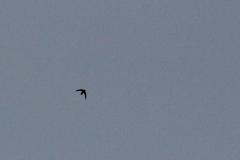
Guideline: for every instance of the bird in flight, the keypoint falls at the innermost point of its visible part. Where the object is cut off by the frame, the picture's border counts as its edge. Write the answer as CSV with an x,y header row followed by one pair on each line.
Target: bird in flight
x,y
83,91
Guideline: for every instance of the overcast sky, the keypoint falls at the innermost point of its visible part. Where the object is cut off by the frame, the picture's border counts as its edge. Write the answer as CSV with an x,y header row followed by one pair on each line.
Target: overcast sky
x,y
162,79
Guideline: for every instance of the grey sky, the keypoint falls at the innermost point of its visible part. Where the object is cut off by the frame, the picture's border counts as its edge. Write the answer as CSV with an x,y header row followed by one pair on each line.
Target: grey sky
x,y
162,79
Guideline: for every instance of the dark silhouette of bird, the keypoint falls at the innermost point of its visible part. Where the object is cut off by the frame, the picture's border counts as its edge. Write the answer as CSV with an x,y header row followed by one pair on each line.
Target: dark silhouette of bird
x,y
83,91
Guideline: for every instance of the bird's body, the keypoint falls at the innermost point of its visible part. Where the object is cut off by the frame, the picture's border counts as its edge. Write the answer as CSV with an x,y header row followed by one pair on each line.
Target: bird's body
x,y
83,91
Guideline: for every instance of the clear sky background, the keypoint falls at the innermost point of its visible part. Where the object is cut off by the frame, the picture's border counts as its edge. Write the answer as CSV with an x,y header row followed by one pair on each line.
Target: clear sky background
x,y
162,79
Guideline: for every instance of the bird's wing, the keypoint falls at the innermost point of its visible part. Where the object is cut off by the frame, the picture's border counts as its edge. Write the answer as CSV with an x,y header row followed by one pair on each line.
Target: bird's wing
x,y
80,90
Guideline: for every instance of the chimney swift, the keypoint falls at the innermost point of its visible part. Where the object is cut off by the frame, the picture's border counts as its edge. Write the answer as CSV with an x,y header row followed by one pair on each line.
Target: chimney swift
x,y
83,91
